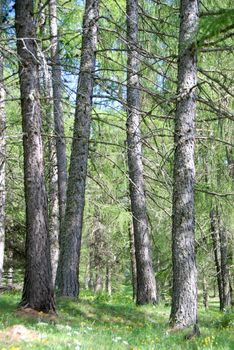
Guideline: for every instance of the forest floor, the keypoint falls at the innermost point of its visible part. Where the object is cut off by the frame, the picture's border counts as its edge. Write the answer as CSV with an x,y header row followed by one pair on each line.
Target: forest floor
x,y
108,323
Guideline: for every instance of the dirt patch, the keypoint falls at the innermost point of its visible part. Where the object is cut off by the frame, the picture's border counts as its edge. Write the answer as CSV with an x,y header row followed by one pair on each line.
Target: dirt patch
x,y
39,315
19,333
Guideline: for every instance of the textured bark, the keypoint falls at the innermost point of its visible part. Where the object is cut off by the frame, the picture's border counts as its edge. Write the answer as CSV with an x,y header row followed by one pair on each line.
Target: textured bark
x,y
146,284
37,291
54,222
184,292
2,163
133,261
53,198
68,271
58,111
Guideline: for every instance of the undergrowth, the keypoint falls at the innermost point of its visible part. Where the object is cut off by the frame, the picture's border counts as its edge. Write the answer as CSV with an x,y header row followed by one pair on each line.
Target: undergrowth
x,y
113,323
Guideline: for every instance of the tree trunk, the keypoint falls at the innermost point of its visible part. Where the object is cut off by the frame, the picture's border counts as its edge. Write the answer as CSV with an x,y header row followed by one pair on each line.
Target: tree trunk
x,y
98,285
205,293
184,292
108,280
230,160
226,297
2,163
10,269
58,111
68,277
215,235
146,284
97,246
53,210
133,261
37,291
215,241
53,200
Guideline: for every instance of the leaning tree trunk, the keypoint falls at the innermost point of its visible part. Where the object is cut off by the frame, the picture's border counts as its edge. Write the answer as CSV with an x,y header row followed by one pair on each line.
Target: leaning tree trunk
x,y
68,270
184,292
58,111
146,284
2,162
37,291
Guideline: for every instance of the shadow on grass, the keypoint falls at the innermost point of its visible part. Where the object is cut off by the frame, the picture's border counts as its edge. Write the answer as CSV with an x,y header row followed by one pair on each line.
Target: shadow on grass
x,y
8,303
118,315
121,316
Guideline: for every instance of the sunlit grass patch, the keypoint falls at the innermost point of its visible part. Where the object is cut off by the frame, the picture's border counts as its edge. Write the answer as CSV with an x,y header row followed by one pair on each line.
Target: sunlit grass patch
x,y
115,323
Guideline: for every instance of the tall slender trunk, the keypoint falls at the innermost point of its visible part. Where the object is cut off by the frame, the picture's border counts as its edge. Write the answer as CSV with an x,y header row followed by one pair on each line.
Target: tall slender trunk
x,y
215,241
108,279
184,292
53,198
224,273
205,292
220,247
10,273
224,267
53,210
2,162
37,291
97,253
146,284
68,271
58,111
133,261
230,160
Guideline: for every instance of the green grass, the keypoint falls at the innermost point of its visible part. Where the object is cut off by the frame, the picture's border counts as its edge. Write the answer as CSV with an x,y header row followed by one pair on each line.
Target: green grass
x,y
102,323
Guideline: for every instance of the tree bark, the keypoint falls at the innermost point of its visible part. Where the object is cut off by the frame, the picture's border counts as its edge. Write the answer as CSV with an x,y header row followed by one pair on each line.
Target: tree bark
x,y
53,197
2,162
68,277
146,284
37,291
58,111
184,292
133,261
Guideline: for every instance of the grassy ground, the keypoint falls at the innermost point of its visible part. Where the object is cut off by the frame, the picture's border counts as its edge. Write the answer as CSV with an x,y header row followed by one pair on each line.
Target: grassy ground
x,y
102,323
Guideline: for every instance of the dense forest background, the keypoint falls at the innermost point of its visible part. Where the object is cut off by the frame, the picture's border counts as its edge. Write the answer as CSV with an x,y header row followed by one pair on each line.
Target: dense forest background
x,y
107,246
